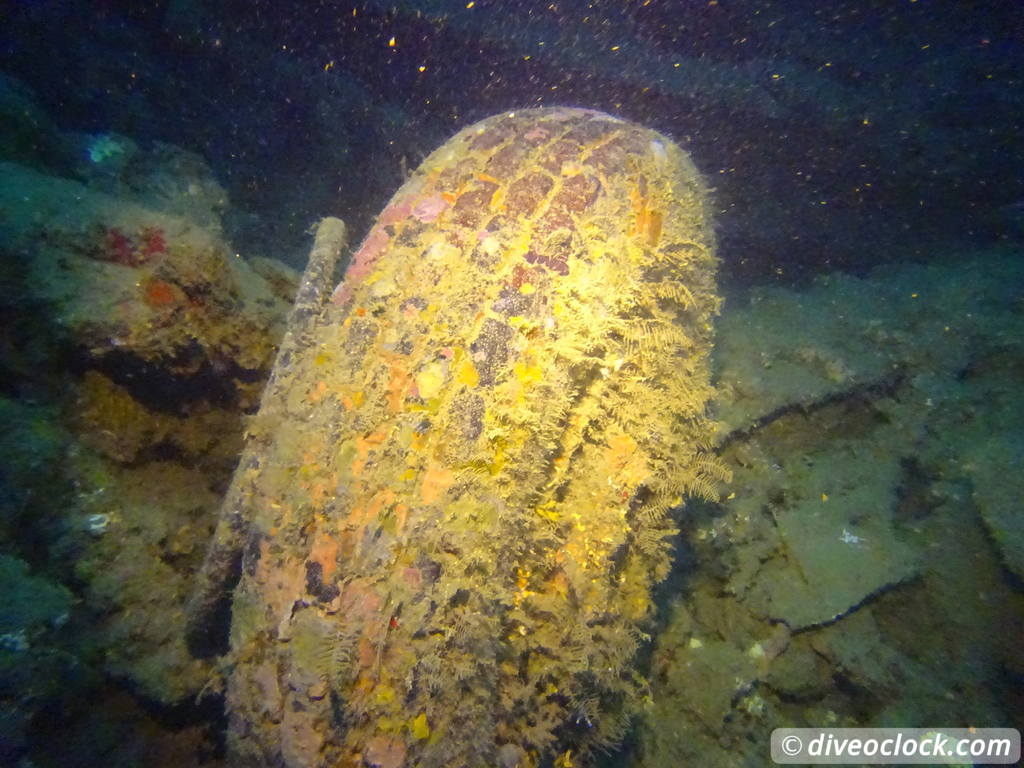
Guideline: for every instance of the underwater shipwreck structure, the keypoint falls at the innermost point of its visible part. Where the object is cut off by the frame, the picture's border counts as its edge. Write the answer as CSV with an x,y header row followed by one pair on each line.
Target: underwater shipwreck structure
x,y
440,544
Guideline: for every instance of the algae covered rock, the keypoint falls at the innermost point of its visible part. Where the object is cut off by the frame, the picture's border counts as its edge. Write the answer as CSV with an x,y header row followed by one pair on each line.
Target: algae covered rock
x,y
860,570
455,501
136,342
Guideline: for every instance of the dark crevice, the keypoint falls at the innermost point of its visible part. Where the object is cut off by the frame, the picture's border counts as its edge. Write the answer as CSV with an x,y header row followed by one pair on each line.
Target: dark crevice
x,y
60,720
864,393
155,385
208,632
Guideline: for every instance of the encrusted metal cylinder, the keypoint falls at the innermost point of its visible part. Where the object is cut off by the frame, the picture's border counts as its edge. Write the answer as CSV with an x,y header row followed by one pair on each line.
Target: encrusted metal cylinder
x,y
461,496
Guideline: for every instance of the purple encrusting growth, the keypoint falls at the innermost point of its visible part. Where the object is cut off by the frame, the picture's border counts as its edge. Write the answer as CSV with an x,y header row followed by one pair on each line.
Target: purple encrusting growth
x,y
429,208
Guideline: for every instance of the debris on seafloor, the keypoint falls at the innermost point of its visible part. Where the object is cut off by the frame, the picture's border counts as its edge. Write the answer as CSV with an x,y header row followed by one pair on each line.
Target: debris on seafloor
x,y
456,498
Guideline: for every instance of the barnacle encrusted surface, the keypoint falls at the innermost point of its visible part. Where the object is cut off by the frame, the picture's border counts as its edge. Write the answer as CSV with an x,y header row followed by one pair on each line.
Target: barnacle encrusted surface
x,y
451,559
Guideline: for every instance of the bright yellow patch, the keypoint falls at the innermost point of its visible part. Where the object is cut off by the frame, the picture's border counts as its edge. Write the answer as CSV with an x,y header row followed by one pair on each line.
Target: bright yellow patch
x,y
522,578
548,510
528,374
430,380
467,373
420,729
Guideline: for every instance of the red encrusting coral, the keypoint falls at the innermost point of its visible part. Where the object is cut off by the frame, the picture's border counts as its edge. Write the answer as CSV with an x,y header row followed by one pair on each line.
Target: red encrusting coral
x,y
117,247
153,242
120,248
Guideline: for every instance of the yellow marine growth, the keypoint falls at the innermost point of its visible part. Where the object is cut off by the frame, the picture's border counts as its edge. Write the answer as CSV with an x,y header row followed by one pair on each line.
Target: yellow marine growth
x,y
454,505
